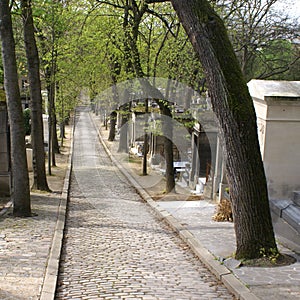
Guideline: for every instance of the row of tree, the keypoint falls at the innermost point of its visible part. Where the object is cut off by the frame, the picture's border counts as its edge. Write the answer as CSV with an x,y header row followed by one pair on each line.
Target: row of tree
x,y
96,44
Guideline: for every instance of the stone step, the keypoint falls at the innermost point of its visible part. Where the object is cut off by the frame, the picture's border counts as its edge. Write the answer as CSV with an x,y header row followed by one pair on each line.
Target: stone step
x,y
292,216
288,211
296,197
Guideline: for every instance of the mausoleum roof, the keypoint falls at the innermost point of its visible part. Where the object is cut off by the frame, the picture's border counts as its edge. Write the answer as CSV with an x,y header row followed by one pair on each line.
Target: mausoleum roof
x,y
274,88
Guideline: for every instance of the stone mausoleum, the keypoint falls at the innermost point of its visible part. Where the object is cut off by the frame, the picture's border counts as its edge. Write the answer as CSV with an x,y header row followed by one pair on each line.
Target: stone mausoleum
x,y
277,106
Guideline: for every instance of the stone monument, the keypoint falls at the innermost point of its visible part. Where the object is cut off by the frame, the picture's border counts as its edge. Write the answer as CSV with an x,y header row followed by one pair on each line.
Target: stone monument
x,y
5,180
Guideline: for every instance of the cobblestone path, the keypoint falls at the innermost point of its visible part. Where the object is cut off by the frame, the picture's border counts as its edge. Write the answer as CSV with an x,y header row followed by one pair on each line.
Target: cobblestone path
x,y
115,247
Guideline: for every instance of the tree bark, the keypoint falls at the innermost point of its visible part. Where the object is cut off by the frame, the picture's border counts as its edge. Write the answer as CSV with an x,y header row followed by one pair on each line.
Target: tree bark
x,y
167,127
21,190
40,179
146,138
112,128
55,144
123,143
234,109
50,80
116,68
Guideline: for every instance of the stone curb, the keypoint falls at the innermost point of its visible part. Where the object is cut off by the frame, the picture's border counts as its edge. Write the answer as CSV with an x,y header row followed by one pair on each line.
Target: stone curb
x,y
51,274
233,284
6,207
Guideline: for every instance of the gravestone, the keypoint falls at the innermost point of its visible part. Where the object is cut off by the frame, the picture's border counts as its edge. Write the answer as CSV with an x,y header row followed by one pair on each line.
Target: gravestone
x,y
4,152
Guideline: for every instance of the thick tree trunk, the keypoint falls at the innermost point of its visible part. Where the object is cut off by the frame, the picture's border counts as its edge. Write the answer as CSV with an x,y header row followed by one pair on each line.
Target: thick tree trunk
x,y
234,109
21,191
40,179
168,148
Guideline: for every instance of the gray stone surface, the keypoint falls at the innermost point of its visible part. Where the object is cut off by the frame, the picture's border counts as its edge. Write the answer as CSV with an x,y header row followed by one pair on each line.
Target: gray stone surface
x,y
296,197
118,247
291,215
24,249
286,234
274,88
286,220
219,239
277,205
115,247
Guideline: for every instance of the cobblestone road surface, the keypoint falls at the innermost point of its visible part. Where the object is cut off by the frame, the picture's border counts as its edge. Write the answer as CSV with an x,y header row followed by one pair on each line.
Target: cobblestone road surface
x,y
115,247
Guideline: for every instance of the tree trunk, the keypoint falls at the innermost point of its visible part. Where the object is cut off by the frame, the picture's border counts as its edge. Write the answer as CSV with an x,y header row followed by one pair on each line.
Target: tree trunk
x,y
50,80
55,144
123,143
40,180
156,94
21,191
115,66
234,109
168,148
146,138
112,128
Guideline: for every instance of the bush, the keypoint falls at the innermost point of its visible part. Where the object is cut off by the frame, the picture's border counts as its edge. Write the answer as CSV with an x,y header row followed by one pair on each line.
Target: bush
x,y
224,212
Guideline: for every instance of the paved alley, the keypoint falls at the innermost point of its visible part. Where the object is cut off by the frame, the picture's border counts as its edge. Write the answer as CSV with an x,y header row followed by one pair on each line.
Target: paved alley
x,y
115,247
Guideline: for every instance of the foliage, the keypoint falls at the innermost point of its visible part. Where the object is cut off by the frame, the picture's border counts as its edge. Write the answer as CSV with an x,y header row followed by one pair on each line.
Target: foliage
x,y
87,53
2,95
282,55
256,29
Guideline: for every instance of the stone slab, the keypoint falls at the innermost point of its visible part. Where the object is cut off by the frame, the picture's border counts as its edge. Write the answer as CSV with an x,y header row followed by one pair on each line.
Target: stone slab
x,y
296,197
291,215
277,205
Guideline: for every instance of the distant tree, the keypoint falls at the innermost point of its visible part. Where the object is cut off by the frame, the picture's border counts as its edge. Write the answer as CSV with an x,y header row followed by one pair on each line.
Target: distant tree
x,y
282,61
21,190
235,112
256,29
137,10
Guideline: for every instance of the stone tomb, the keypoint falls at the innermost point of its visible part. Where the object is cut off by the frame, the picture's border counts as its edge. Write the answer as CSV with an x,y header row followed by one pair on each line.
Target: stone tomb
x,y
5,182
277,106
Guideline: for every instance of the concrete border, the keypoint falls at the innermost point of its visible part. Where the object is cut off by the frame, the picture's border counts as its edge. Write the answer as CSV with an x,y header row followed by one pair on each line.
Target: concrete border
x,y
233,284
51,273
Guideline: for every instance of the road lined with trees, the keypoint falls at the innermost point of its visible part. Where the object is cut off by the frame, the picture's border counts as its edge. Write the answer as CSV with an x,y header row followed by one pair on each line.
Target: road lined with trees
x,y
94,45
115,247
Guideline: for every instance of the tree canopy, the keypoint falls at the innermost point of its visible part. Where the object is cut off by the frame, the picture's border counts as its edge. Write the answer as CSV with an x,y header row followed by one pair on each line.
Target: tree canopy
x,y
92,45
